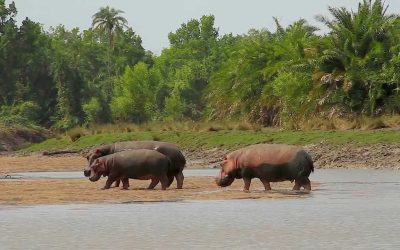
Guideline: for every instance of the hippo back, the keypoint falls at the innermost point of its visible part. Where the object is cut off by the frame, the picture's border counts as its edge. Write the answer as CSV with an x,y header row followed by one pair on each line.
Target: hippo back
x,y
168,149
254,155
139,162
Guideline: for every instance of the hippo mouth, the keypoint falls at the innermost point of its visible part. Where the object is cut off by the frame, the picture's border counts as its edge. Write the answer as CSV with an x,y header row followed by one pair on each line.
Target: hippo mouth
x,y
86,172
94,176
226,181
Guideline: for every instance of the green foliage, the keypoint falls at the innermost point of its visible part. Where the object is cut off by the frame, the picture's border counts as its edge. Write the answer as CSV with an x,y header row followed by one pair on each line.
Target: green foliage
x,y
290,90
260,67
68,78
93,111
185,69
133,99
360,54
191,140
108,20
25,113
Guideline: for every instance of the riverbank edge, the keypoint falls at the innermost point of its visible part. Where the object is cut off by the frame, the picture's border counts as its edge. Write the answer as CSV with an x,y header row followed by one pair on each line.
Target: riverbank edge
x,y
370,149
325,156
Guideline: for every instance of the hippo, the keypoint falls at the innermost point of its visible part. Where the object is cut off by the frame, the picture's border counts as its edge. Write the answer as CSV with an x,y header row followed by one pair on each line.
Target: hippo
x,y
269,163
141,164
168,149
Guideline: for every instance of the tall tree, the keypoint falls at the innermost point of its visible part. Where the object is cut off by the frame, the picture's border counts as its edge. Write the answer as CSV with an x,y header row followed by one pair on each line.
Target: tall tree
x,y
109,20
185,68
8,52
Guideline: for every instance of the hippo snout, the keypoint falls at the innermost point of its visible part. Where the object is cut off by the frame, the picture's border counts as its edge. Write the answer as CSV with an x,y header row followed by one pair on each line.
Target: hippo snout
x,y
225,181
86,172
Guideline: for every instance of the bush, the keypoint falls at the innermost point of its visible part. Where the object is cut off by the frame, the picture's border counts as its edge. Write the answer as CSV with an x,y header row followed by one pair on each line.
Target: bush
x,y
121,108
25,113
76,133
67,122
93,110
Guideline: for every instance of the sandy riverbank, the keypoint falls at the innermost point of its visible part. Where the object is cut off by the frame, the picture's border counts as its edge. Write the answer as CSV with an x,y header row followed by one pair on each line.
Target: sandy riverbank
x,y
35,192
30,192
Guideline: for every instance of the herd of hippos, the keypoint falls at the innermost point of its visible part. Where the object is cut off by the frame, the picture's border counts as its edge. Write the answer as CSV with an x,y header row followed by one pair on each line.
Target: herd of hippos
x,y
162,162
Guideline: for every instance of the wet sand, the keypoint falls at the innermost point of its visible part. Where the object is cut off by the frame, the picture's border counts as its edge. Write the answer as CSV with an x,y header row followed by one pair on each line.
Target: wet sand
x,y
13,164
62,191
55,191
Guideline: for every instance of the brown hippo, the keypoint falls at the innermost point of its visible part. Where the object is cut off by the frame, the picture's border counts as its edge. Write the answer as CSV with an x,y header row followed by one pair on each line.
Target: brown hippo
x,y
168,149
269,163
141,164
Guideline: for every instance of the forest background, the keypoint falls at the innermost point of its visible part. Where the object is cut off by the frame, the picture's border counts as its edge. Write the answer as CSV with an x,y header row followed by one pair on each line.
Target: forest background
x,y
292,77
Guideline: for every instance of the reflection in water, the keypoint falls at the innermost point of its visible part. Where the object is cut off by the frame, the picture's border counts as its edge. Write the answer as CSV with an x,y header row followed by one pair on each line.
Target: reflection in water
x,y
350,209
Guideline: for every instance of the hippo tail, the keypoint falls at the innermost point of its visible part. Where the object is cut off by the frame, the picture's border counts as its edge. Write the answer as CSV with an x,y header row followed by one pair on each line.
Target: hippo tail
x,y
307,166
310,162
183,160
312,166
179,161
170,165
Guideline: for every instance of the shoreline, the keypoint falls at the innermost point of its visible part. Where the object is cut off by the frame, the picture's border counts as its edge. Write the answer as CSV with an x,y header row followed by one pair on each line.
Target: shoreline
x,y
325,156
381,156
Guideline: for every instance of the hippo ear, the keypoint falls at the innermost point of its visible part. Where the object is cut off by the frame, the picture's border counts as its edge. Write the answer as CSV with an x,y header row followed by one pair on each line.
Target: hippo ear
x,y
102,165
97,152
95,165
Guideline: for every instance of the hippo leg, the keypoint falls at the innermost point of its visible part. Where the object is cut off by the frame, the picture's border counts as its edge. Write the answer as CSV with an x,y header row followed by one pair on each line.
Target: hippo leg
x,y
296,185
125,183
247,183
164,182
117,182
153,183
109,181
307,185
179,180
170,180
266,184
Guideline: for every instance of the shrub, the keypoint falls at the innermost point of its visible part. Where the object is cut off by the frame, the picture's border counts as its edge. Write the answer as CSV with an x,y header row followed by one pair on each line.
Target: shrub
x,y
76,133
93,110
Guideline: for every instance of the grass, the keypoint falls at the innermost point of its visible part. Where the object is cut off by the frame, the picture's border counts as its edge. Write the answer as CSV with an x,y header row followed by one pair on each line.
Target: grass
x,y
229,139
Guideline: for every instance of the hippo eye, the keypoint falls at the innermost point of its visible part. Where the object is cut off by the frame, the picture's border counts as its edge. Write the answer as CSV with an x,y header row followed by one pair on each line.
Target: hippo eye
x,y
95,166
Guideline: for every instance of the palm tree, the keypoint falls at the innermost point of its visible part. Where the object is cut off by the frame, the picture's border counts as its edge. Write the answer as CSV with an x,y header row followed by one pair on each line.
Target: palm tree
x,y
361,43
108,20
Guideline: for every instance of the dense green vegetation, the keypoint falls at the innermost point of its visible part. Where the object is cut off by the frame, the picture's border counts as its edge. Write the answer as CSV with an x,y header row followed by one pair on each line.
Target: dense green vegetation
x,y
229,139
289,77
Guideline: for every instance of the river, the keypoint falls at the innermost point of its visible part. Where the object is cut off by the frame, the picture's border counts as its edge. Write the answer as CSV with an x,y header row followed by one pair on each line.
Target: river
x,y
350,209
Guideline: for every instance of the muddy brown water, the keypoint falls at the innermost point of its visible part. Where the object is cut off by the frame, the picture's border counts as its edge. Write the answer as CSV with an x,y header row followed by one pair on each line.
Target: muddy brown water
x,y
350,209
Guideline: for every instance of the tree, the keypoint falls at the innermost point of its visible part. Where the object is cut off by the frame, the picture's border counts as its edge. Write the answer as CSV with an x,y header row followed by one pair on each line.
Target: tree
x,y
134,95
8,52
108,20
67,70
249,83
359,56
185,68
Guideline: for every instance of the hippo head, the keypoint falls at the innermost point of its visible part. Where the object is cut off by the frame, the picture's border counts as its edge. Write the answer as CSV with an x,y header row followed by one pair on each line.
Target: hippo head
x,y
93,155
227,174
225,181
97,169
86,171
